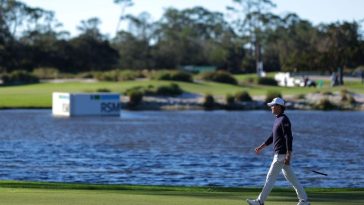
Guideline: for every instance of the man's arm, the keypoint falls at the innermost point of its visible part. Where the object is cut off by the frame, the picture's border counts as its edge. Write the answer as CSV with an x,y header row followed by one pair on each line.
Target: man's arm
x,y
260,148
265,144
287,131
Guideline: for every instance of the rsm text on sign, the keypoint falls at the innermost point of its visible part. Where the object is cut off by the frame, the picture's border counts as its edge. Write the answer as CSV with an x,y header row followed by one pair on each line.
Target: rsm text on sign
x,y
110,107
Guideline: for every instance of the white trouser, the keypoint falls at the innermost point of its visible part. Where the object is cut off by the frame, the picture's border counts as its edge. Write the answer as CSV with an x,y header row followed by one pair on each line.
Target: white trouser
x,y
276,167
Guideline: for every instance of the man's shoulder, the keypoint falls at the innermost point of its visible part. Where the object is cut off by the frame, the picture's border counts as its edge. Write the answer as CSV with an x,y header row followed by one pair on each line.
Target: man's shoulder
x,y
285,119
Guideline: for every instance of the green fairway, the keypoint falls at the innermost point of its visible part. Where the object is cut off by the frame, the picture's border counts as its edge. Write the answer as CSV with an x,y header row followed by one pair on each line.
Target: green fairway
x,y
27,193
40,95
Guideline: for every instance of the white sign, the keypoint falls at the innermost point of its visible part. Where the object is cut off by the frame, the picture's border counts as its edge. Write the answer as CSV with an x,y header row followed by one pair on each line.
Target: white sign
x,y
80,104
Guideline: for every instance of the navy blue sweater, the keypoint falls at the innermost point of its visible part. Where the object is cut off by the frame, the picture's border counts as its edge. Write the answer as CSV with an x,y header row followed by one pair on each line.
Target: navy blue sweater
x,y
281,135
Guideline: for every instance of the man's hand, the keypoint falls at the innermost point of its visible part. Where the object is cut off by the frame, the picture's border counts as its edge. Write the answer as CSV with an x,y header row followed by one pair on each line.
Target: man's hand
x,y
287,160
260,148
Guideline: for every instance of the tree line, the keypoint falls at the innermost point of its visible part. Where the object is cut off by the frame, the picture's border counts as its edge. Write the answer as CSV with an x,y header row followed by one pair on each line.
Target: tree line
x,y
33,38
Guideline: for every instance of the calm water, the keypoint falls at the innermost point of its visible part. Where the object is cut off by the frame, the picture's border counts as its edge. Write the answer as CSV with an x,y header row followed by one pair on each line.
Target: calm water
x,y
178,148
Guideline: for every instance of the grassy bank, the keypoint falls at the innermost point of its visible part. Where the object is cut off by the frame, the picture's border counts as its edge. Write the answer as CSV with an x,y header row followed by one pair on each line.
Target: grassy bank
x,y
29,193
39,95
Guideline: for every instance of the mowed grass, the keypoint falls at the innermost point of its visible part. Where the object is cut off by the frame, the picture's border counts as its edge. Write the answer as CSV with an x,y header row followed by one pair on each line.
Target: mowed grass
x,y
40,95
29,193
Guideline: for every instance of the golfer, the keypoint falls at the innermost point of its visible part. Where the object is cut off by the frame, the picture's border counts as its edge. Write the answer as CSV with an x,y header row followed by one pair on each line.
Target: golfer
x,y
281,137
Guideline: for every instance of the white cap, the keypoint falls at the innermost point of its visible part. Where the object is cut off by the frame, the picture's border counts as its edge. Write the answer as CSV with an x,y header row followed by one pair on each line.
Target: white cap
x,y
276,101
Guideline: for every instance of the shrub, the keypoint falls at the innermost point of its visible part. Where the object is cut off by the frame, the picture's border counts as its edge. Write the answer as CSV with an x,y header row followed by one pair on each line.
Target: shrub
x,y
219,76
149,90
108,76
87,75
209,102
169,90
46,73
347,97
327,93
129,75
135,89
351,99
117,75
161,75
300,96
325,104
19,78
243,96
344,94
271,95
172,75
267,81
103,90
230,99
181,76
252,80
135,98
344,98
164,90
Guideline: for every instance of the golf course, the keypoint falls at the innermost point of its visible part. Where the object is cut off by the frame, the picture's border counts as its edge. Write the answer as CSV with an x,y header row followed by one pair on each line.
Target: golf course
x,y
140,102
39,95
44,193
32,193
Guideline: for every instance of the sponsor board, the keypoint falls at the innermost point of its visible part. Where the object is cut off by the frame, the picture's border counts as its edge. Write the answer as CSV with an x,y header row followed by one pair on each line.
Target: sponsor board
x,y
81,104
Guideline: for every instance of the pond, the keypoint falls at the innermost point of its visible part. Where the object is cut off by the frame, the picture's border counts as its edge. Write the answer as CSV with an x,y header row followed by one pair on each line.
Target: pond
x,y
189,148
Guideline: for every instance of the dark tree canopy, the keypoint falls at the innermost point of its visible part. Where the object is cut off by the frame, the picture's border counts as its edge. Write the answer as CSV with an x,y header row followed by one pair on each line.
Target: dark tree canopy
x,y
32,38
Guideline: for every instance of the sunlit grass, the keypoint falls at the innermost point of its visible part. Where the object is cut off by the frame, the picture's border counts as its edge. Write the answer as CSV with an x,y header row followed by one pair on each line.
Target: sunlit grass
x,y
29,193
39,95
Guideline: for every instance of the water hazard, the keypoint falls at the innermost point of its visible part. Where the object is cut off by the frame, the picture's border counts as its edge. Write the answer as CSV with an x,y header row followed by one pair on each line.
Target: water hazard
x,y
178,148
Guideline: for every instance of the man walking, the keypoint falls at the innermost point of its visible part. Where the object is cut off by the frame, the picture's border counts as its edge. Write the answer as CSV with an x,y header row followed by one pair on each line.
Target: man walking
x,y
281,137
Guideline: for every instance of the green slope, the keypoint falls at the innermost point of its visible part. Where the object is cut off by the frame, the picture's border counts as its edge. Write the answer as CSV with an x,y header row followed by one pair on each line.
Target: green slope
x,y
29,193
39,95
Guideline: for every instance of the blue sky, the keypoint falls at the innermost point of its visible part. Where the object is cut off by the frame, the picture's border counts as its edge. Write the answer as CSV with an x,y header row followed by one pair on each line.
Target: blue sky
x,y
71,12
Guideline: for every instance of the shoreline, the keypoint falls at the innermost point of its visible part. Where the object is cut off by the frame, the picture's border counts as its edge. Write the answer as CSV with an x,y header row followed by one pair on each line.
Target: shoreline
x,y
190,108
131,187
187,101
217,107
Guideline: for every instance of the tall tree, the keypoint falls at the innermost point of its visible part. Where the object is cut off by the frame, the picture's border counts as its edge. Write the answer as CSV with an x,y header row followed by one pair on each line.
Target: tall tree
x,y
135,46
252,17
18,17
90,27
133,52
90,50
293,43
340,43
123,5
19,21
192,37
